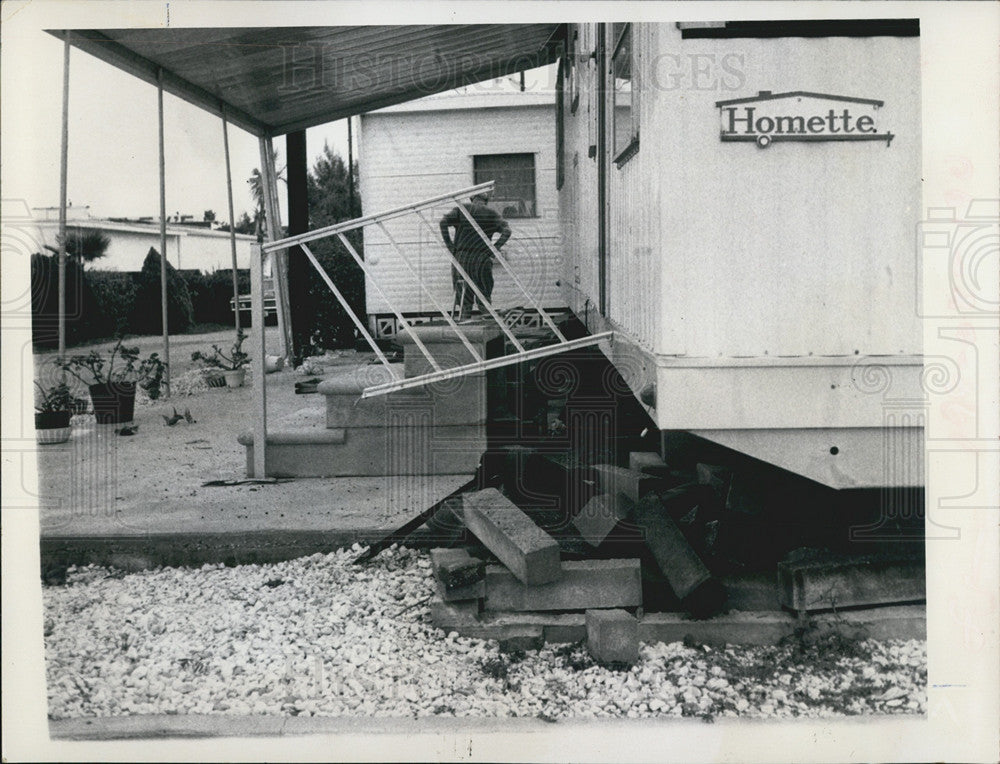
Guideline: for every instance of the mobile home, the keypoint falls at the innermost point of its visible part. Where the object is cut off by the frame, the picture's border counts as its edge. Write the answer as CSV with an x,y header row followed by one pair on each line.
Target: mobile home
x,y
423,148
739,205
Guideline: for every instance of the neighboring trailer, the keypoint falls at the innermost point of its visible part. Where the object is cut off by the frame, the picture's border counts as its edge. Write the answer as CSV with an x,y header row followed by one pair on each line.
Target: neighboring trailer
x,y
421,149
757,253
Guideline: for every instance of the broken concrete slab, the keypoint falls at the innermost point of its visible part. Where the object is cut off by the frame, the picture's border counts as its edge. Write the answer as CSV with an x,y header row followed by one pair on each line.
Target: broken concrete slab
x,y
699,592
825,581
530,554
630,483
612,636
719,478
600,516
584,584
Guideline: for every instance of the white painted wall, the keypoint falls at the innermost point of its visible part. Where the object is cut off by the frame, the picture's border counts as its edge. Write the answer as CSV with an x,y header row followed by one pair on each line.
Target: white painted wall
x,y
406,156
187,248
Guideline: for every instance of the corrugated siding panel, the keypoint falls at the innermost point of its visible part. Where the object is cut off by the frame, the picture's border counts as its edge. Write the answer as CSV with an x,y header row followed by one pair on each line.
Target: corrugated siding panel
x,y
634,255
408,157
578,196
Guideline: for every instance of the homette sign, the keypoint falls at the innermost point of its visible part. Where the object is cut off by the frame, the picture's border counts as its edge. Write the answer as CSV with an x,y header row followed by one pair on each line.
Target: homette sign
x,y
800,116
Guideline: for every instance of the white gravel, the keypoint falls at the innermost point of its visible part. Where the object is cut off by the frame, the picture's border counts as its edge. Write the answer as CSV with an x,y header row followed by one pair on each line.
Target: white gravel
x,y
320,636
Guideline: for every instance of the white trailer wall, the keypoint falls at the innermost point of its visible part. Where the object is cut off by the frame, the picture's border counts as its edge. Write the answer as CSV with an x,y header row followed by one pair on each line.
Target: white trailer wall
x,y
406,156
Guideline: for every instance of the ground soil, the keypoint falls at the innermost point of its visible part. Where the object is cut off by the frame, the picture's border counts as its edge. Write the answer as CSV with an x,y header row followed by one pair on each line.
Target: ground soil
x,y
101,483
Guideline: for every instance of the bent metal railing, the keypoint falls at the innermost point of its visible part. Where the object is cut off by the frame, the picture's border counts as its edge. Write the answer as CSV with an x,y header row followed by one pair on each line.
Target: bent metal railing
x,y
399,382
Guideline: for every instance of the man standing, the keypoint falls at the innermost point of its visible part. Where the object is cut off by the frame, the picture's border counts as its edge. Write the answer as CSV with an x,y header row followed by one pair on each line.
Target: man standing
x,y
472,253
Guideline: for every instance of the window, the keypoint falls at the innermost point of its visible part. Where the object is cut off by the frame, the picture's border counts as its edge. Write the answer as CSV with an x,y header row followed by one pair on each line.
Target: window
x,y
625,115
573,61
514,174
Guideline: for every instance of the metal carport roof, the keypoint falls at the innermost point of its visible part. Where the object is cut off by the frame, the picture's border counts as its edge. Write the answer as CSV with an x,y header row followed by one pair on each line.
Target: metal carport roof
x,y
275,80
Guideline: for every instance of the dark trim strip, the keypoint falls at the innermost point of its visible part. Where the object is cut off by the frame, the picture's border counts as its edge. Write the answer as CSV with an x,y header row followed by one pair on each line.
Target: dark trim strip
x,y
820,28
798,93
887,137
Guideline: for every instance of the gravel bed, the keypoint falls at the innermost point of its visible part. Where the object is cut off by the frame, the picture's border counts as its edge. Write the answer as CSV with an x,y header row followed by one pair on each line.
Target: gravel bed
x,y
319,636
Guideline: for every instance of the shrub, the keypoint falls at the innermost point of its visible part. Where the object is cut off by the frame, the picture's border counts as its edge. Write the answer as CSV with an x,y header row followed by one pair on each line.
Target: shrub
x,y
146,314
114,297
83,320
211,293
325,324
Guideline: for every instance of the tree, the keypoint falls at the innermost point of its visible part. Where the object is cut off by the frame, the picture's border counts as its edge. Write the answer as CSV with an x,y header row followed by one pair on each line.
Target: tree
x,y
209,216
256,181
86,244
320,322
243,225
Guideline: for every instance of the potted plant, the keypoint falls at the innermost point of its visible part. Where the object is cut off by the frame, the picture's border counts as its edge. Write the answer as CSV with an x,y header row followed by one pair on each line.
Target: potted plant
x,y
231,364
112,378
53,408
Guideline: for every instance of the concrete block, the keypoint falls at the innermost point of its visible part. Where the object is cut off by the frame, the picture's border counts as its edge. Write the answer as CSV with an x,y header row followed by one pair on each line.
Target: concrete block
x,y
530,554
648,462
684,570
474,591
454,616
738,628
600,515
767,628
555,627
523,638
630,483
456,568
612,636
831,581
584,584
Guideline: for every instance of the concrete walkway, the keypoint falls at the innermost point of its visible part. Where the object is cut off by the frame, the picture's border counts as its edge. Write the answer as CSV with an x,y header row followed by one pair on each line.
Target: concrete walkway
x,y
141,500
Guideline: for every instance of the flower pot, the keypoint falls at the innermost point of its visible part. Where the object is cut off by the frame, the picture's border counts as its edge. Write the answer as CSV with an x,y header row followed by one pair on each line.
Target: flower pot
x,y
52,427
113,403
235,378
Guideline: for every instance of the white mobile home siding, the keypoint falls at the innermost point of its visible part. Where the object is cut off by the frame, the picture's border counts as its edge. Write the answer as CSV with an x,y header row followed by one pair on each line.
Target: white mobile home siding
x,y
409,156
721,249
750,288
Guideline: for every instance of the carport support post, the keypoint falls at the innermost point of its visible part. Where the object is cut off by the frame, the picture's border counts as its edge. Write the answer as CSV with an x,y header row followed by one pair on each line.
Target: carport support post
x,y
163,236
298,222
232,220
257,361
63,177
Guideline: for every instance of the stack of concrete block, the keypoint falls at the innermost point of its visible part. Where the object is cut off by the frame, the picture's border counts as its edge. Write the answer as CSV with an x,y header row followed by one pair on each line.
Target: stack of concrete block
x,y
531,580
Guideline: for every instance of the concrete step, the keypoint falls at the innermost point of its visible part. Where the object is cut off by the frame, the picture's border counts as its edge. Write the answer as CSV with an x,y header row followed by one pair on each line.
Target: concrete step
x,y
444,345
404,447
460,401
